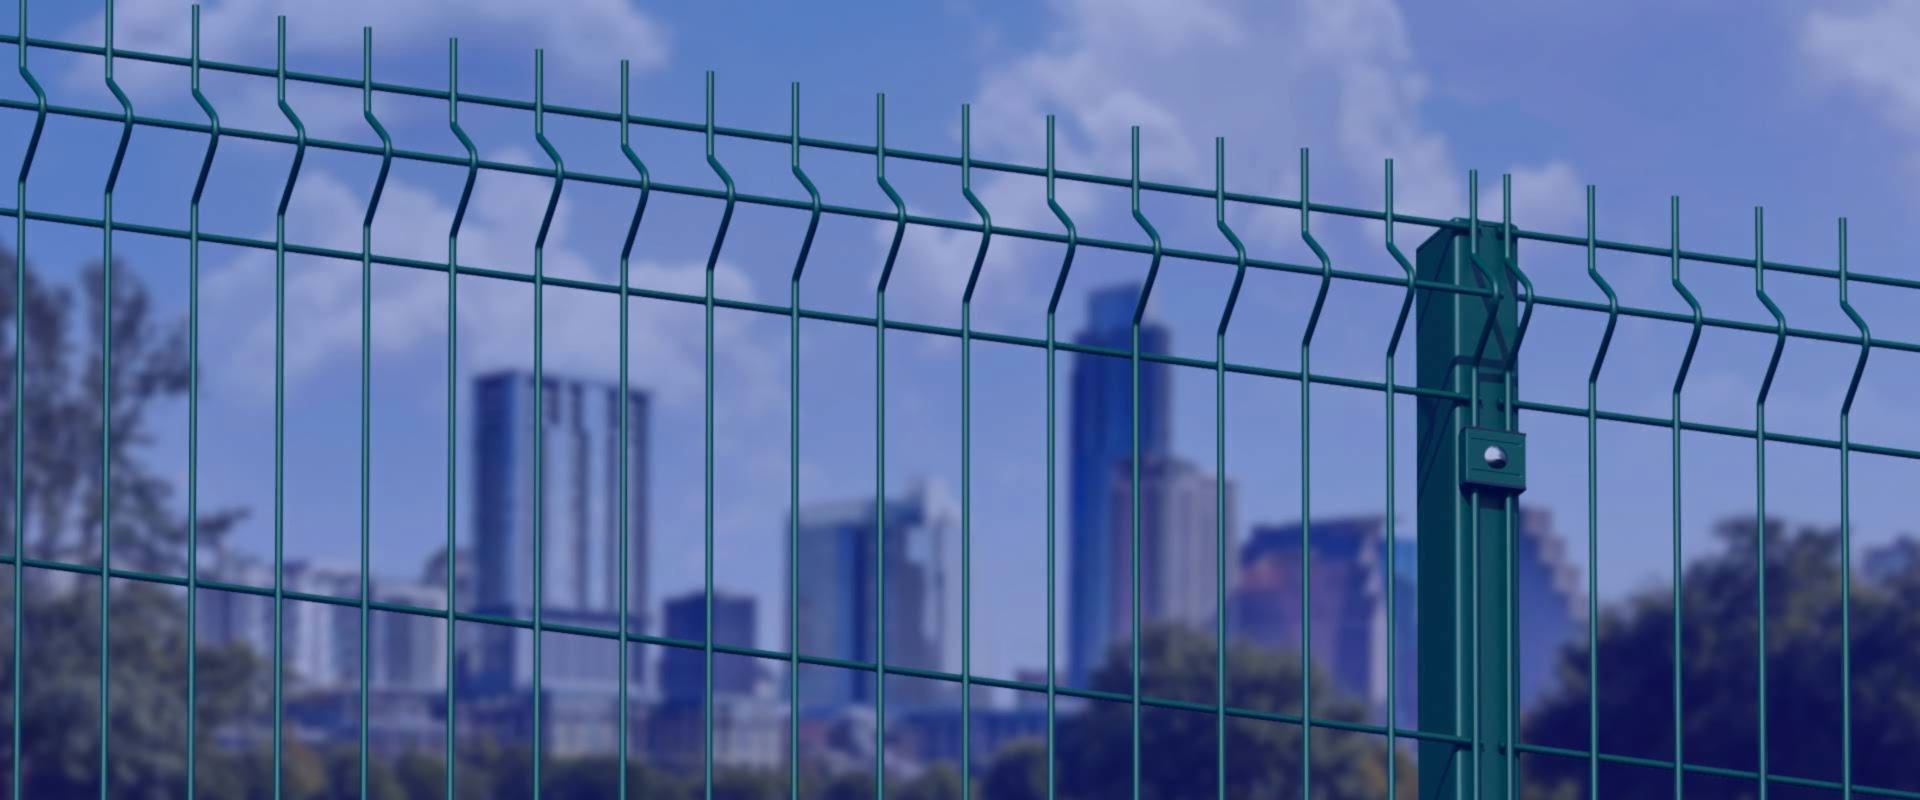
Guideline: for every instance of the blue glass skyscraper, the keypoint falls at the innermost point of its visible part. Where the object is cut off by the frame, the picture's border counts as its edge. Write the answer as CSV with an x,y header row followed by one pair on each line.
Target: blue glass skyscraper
x,y
1100,419
579,527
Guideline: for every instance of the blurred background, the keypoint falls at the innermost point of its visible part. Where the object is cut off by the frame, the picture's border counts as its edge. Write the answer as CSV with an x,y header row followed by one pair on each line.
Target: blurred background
x,y
1806,112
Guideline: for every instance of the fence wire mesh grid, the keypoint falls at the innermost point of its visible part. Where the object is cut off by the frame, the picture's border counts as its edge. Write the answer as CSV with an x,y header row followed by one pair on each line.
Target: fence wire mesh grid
x,y
1461,466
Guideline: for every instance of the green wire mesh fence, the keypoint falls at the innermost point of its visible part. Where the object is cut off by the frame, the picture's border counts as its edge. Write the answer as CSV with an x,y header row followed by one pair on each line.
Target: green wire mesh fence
x,y
1465,291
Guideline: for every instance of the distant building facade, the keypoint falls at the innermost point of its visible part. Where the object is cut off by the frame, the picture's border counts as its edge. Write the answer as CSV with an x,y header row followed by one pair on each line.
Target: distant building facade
x,y
1100,420
1180,526
1349,604
573,512
683,676
839,552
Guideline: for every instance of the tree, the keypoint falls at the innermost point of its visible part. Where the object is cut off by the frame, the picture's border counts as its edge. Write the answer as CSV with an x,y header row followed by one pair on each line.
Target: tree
x,y
1180,748
1721,686
61,490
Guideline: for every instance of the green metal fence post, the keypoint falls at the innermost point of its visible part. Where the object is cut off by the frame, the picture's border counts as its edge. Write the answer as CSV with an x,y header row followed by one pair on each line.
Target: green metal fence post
x,y
1471,462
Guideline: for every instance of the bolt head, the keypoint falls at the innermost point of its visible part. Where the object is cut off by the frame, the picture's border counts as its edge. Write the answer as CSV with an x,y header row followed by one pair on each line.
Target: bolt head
x,y
1495,456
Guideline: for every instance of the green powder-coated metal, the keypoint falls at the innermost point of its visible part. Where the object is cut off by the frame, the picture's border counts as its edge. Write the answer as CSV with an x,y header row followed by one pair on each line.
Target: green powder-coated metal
x,y
1846,526
193,406
1593,505
1679,382
1220,469
713,260
793,473
106,410
453,392
1133,464
1472,310
539,394
966,448
1392,520
280,405
1053,308
366,388
20,382
1760,483
1466,527
623,714
880,457
1306,481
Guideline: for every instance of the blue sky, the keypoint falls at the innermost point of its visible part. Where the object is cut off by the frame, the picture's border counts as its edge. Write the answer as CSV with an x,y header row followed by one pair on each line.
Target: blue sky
x,y
1812,114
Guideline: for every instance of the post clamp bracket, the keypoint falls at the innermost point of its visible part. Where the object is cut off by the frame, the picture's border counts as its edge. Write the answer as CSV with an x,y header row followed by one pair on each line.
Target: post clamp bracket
x,y
1493,460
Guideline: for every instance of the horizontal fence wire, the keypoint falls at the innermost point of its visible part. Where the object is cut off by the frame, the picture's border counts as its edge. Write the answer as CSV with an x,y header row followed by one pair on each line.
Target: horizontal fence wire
x,y
795,312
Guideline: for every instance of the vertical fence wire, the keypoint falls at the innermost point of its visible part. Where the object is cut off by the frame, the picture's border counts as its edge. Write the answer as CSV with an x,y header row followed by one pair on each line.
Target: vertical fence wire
x,y
106,409
1679,383
20,380
713,260
626,401
1593,504
539,397
1393,576
193,406
1472,640
366,389
966,448
1508,577
1053,307
453,392
793,462
880,461
1133,460
1306,483
1220,467
1846,526
1760,482
280,405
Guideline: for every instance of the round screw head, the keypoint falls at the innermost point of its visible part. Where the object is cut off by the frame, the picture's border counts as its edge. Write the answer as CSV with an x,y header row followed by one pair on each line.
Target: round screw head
x,y
1495,456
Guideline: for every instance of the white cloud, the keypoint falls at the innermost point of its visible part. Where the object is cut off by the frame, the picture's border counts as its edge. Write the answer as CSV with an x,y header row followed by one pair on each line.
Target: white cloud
x,y
1875,51
494,327
582,34
1339,76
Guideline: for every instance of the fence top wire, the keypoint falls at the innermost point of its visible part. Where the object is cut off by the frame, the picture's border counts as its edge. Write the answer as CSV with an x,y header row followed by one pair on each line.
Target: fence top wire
x,y
1066,237
787,138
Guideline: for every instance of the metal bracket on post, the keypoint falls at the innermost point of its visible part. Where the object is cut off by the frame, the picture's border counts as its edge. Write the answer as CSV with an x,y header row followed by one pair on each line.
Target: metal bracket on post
x,y
1471,462
1493,460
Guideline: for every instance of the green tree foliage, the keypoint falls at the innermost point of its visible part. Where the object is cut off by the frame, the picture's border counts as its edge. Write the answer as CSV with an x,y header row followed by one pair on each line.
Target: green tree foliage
x,y
1179,748
62,490
1721,686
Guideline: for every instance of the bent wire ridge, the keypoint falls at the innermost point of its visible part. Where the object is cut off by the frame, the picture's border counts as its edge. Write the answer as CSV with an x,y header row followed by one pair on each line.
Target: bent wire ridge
x,y
931,158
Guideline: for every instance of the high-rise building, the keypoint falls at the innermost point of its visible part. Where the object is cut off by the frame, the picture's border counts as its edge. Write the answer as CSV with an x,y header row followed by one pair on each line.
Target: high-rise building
x,y
838,554
1349,600
1349,603
683,676
573,512
1101,428
408,652
1179,512
321,641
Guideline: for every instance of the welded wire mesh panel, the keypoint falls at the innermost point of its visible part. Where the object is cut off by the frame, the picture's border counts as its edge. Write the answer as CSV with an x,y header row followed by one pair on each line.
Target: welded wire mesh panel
x,y
685,530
